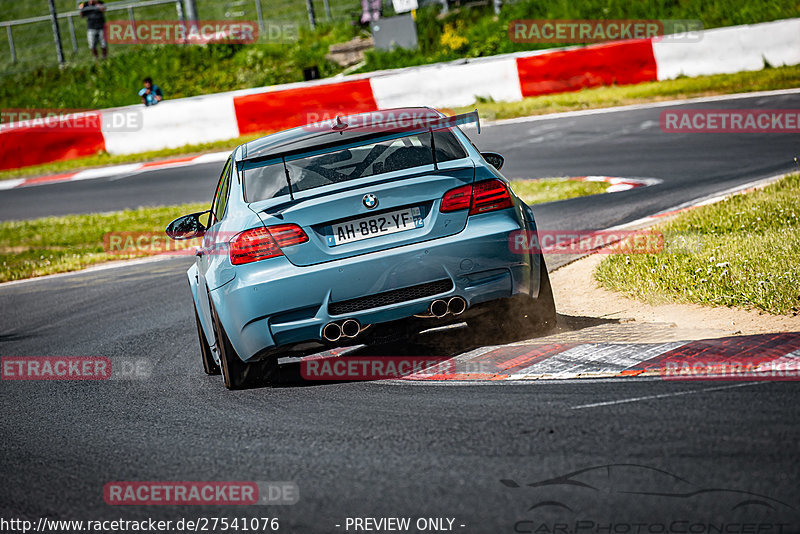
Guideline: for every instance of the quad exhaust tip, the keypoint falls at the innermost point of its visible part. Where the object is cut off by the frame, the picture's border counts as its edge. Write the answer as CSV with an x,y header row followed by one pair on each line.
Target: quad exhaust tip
x,y
332,332
349,328
456,305
438,308
441,308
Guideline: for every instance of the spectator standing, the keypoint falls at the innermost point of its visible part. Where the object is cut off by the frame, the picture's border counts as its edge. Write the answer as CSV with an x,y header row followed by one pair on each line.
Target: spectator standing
x,y
151,94
95,13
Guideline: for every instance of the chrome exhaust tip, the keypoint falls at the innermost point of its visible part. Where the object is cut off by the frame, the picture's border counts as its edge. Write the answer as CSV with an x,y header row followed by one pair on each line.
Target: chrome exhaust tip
x,y
438,308
456,305
332,332
351,328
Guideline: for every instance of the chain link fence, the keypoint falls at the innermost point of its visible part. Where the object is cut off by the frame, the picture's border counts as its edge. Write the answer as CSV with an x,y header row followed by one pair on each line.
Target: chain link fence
x,y
27,36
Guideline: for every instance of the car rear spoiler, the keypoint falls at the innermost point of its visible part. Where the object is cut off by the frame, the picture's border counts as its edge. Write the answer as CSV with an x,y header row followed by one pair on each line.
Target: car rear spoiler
x,y
331,134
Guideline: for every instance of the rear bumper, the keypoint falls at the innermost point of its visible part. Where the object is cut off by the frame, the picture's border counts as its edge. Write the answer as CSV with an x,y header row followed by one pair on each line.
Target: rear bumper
x,y
274,304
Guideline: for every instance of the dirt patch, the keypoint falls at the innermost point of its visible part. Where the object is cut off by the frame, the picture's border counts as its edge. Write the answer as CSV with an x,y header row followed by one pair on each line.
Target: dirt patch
x,y
590,313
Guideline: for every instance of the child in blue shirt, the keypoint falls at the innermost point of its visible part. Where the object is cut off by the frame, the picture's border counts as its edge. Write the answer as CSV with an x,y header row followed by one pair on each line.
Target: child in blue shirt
x,y
151,94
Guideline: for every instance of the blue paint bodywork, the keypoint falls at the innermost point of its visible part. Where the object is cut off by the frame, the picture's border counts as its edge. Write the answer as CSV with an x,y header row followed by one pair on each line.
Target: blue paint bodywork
x,y
281,303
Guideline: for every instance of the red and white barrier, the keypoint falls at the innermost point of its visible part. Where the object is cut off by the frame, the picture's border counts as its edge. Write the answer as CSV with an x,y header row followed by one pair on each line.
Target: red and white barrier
x,y
729,50
180,122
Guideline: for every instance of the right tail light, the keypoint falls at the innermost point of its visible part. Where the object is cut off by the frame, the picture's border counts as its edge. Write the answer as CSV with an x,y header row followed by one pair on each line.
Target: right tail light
x,y
481,197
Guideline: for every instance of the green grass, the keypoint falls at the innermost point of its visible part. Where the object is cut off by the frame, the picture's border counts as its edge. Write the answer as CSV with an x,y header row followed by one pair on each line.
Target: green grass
x,y
550,189
766,79
601,97
72,242
749,255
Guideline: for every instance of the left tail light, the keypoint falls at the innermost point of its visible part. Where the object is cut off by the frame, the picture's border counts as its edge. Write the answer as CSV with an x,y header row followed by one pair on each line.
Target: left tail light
x,y
261,243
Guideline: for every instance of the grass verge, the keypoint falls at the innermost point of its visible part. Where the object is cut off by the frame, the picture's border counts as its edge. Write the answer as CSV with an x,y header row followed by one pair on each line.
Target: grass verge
x,y
766,79
550,189
59,244
749,255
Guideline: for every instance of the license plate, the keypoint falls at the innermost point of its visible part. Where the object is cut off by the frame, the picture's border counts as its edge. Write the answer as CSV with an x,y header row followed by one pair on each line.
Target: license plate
x,y
374,226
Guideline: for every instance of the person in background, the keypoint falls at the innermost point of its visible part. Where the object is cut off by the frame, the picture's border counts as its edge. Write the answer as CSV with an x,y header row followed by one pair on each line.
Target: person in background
x,y
151,94
370,11
94,12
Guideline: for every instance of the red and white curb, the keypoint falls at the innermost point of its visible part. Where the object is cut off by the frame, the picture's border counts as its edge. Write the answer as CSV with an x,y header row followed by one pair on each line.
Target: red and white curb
x,y
762,356
616,184
115,171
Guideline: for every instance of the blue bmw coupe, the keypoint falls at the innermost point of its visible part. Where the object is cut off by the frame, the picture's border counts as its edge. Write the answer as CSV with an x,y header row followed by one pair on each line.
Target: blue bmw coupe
x,y
331,233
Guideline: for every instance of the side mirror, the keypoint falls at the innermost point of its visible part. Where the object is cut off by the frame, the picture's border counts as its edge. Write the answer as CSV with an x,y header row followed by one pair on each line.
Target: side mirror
x,y
494,159
187,226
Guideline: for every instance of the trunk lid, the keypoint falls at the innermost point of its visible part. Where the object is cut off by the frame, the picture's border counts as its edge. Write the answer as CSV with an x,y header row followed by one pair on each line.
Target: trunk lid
x,y
339,223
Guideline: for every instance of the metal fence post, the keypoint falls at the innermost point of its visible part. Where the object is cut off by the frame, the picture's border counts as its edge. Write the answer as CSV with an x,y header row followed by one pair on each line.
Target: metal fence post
x,y
327,5
312,17
133,22
11,44
190,8
182,18
56,32
260,16
72,34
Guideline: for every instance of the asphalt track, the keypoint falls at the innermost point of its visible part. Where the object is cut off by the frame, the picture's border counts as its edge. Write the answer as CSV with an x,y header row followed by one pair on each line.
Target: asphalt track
x,y
389,449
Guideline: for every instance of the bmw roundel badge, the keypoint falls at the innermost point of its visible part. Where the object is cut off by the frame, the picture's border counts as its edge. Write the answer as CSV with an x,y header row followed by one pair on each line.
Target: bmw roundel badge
x,y
370,201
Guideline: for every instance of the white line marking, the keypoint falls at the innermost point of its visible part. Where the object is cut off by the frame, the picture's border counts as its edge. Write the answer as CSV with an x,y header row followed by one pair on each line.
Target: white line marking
x,y
663,395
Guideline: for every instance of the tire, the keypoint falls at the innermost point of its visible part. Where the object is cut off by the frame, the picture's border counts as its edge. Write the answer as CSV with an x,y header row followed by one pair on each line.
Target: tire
x,y
209,365
237,374
541,311
520,315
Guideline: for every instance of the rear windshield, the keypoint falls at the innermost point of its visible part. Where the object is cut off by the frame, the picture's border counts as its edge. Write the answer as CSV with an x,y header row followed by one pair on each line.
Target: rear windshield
x,y
270,181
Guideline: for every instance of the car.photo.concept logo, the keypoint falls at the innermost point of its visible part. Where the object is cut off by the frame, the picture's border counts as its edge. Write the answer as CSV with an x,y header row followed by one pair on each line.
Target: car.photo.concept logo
x,y
616,498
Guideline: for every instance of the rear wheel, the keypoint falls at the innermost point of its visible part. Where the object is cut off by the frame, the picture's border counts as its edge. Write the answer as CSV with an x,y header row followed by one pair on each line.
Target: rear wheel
x,y
209,365
238,374
521,314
